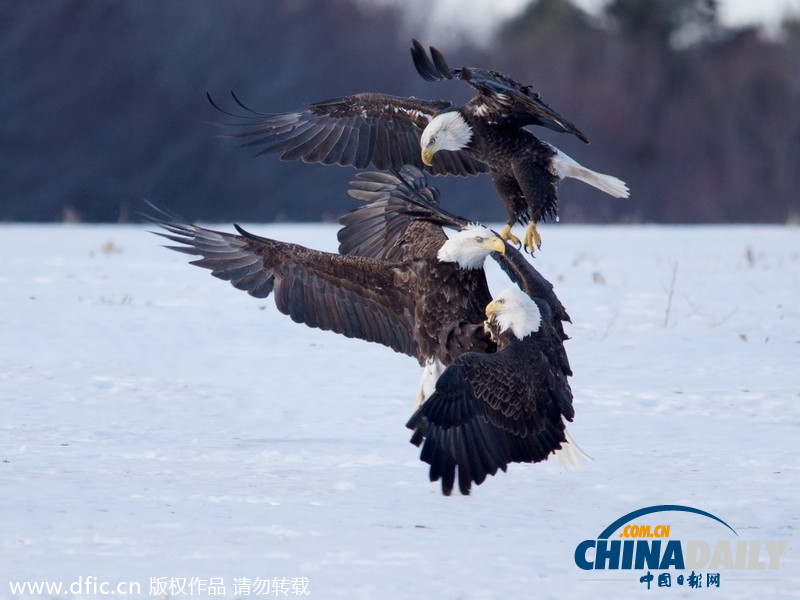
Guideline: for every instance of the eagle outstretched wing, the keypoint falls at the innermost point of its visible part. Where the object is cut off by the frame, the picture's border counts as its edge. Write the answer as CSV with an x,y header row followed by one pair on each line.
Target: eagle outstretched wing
x,y
360,130
492,409
349,295
517,103
397,220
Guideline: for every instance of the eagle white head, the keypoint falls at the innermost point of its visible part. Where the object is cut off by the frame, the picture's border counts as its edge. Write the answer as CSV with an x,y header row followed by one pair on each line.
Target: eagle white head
x,y
470,247
514,309
447,131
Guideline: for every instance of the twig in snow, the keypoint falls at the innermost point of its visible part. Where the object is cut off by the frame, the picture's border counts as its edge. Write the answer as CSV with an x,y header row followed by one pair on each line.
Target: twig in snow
x,y
670,293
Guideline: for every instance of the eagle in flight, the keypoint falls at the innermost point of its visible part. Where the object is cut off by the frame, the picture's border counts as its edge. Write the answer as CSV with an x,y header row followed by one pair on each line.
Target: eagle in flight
x,y
486,135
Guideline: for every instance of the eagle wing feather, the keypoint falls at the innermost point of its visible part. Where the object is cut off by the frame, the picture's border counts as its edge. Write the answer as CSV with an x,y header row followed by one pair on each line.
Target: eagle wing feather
x,y
359,130
511,102
397,220
345,294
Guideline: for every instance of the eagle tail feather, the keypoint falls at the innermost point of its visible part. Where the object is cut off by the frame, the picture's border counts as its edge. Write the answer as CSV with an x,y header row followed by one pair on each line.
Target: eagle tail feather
x,y
565,166
570,455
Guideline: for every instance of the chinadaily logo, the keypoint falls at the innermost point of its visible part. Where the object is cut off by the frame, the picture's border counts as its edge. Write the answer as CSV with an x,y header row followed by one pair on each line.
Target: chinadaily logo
x,y
674,546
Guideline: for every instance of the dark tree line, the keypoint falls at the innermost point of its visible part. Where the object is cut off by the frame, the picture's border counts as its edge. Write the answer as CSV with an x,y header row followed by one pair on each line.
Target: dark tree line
x,y
104,106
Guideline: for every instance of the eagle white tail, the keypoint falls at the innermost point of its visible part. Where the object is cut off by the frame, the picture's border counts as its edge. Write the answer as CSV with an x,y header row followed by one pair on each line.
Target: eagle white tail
x,y
431,372
565,166
570,454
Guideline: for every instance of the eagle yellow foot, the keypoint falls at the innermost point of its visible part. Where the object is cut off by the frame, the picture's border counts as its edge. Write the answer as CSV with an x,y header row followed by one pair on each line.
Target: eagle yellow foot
x,y
532,238
506,234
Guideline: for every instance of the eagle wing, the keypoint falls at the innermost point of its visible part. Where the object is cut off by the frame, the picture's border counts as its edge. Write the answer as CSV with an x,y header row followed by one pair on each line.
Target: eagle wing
x,y
509,101
353,296
492,409
396,220
360,130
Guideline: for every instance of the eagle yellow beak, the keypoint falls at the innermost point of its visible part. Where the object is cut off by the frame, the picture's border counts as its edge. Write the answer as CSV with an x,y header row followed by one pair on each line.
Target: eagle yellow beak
x,y
496,244
427,154
492,308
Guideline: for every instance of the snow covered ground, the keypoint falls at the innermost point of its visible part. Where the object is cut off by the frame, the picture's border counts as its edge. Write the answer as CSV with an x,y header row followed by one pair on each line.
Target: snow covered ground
x,y
156,423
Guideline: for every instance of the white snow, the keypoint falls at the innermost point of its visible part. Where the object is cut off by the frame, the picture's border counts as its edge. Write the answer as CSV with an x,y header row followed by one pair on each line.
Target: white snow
x,y
155,422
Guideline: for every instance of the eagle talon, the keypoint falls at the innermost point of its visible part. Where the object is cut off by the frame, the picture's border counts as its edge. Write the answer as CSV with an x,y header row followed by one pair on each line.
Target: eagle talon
x,y
533,240
506,234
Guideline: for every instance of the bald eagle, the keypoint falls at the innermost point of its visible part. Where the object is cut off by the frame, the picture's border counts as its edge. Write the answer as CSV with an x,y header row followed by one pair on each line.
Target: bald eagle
x,y
490,409
490,129
399,280
387,132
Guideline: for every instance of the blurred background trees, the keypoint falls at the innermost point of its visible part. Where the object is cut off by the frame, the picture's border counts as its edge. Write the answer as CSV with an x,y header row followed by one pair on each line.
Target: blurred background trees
x,y
103,106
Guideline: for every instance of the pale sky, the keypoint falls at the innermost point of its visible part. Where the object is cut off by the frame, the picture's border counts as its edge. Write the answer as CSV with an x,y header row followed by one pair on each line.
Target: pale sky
x,y
480,16
736,12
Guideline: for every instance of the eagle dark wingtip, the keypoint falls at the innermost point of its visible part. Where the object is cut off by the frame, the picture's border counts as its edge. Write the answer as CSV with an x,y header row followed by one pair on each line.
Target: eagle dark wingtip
x,y
441,63
250,112
425,67
247,108
250,236
219,108
448,479
211,101
415,420
417,438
